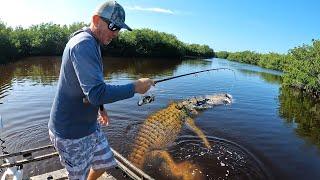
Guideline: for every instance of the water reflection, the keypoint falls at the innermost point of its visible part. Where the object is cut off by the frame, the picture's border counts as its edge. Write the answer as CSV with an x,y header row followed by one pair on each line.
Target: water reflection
x,y
38,70
139,67
197,63
302,111
267,77
45,70
6,74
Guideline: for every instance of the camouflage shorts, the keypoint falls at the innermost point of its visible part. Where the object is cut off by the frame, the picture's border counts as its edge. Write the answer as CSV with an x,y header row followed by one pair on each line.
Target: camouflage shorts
x,y
79,155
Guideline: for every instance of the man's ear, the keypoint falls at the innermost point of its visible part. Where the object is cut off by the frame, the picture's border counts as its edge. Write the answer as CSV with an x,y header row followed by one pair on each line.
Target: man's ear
x,y
96,20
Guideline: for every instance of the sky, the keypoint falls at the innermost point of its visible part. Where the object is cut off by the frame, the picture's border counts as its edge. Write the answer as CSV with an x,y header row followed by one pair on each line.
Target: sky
x,y
225,25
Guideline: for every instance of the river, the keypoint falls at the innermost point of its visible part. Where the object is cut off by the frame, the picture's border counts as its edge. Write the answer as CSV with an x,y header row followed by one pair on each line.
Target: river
x,y
269,132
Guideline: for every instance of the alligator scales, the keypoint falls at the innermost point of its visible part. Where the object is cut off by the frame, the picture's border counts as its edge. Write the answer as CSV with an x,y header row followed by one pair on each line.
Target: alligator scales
x,y
163,127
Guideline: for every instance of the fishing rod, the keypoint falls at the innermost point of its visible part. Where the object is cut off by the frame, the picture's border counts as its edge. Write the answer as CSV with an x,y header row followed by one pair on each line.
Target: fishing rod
x,y
149,98
174,77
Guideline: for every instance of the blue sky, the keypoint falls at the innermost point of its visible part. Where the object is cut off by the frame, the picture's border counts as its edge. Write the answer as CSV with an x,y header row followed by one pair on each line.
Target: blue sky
x,y
257,25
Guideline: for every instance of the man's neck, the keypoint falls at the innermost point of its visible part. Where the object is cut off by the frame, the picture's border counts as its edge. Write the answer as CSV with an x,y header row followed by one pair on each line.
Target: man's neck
x,y
94,33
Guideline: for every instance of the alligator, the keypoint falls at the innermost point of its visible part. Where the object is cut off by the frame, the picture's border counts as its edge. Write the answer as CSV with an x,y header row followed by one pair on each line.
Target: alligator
x,y
162,128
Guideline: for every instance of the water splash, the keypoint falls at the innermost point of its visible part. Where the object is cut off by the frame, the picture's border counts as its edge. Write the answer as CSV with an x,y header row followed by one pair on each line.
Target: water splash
x,y
225,160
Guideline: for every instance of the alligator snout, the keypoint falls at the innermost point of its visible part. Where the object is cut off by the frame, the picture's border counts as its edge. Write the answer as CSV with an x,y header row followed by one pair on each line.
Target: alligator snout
x,y
205,102
217,99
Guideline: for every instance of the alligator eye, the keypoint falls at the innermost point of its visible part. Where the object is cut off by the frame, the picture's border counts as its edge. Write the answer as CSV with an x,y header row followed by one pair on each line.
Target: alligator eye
x,y
228,96
199,103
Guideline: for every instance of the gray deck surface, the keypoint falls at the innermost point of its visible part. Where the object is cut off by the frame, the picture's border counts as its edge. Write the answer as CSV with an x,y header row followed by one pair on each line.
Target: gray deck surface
x,y
62,174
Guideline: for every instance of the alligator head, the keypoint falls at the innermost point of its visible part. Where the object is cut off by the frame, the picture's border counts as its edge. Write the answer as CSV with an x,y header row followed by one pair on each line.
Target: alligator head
x,y
193,105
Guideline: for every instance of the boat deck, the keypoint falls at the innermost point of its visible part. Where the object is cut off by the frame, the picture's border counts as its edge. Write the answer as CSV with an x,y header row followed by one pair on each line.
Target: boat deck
x,y
62,174
125,168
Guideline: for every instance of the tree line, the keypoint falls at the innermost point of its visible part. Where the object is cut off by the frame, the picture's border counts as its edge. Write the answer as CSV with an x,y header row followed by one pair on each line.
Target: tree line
x,y
50,39
301,65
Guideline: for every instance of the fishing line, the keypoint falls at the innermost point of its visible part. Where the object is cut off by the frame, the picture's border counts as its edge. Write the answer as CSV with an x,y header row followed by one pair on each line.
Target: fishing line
x,y
228,86
1,124
174,77
2,146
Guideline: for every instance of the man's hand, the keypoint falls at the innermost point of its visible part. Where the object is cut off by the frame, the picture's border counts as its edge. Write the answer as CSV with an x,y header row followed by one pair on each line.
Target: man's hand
x,y
103,117
143,85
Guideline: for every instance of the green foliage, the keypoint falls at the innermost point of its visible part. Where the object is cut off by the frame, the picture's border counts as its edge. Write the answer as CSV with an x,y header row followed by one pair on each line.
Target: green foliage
x,y
22,40
74,27
7,49
249,57
43,39
273,61
50,39
301,66
199,50
222,54
303,70
150,43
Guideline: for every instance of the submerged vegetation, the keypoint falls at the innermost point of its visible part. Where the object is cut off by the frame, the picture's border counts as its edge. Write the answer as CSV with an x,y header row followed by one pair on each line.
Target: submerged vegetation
x,y
301,65
50,39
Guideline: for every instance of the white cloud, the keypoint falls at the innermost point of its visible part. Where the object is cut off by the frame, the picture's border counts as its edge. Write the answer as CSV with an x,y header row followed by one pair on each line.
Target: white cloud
x,y
155,9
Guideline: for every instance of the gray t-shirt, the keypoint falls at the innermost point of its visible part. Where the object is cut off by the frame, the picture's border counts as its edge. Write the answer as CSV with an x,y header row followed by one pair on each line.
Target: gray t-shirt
x,y
81,75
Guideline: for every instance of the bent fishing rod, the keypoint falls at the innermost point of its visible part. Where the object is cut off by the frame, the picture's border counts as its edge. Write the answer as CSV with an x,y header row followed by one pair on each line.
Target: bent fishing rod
x,y
149,98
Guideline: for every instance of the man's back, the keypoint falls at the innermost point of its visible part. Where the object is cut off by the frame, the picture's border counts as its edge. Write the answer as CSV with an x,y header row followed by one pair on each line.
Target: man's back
x,y
70,118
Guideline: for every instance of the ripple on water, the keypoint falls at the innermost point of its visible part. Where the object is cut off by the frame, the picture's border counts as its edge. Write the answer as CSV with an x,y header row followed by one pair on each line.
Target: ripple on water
x,y
225,160
4,91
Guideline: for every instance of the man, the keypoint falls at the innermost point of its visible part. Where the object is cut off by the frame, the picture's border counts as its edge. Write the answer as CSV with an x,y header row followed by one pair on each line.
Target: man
x,y
73,126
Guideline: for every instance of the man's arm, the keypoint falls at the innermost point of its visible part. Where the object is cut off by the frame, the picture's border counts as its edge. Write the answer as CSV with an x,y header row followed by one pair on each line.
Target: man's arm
x,y
88,68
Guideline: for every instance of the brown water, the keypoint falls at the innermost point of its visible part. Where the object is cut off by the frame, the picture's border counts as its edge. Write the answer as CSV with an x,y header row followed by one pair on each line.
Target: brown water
x,y
267,133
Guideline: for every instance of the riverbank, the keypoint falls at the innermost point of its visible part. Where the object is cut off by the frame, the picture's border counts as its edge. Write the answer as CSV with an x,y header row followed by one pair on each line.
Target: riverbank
x,y
49,39
301,65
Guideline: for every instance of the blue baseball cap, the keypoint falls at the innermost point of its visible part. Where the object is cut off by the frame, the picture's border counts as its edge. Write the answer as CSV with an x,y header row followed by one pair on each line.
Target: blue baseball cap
x,y
114,12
